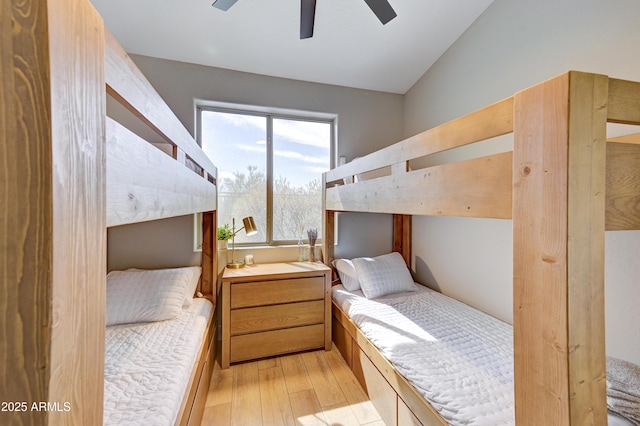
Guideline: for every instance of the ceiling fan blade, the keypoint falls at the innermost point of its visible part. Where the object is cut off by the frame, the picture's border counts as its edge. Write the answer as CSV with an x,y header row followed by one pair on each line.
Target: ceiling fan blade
x,y
307,18
382,9
223,4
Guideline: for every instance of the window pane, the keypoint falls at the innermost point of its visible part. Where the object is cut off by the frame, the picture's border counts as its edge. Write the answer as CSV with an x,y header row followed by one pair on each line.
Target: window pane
x,y
236,143
301,153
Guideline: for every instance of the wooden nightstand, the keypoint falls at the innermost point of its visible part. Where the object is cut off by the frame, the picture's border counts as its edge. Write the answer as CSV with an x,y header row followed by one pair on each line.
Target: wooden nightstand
x,y
275,308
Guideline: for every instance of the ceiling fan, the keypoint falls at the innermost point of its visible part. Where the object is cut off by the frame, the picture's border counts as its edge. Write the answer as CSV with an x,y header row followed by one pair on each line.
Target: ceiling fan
x,y
381,8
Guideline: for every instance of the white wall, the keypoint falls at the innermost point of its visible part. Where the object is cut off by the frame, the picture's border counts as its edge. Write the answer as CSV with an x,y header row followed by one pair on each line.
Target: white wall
x,y
367,121
515,44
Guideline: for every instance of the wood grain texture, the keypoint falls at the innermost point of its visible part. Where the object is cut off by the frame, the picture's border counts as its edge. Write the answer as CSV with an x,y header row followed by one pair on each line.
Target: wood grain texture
x,y
295,373
623,187
327,310
540,270
402,236
405,416
362,407
226,323
346,403
323,380
127,84
623,104
491,121
416,403
265,271
586,247
275,342
559,156
559,187
264,318
217,415
275,308
328,239
209,256
261,293
52,111
307,409
343,341
202,392
79,226
145,184
192,406
633,138
382,395
221,387
26,219
474,188
276,409
246,402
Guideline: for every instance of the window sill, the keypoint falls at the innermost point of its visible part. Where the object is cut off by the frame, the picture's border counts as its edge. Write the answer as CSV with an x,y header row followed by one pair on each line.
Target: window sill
x,y
265,247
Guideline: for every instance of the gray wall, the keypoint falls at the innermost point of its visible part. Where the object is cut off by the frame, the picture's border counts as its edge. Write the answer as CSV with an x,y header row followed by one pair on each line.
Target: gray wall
x,y
513,45
367,121
156,244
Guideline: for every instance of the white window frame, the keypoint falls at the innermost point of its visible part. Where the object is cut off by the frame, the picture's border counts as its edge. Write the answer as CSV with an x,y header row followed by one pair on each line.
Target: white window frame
x,y
270,114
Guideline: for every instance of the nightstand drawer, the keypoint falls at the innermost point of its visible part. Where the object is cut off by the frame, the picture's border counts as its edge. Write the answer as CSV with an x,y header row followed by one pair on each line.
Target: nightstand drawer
x,y
259,293
273,309
263,318
268,343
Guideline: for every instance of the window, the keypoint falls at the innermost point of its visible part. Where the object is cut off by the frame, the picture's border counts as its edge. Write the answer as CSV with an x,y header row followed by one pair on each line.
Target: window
x,y
270,167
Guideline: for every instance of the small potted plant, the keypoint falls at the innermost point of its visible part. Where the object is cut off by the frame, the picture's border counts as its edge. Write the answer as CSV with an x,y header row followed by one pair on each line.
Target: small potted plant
x,y
224,234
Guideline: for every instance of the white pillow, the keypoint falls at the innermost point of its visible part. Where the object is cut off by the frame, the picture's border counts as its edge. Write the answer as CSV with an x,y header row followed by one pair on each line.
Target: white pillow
x,y
347,273
145,296
192,285
386,274
190,291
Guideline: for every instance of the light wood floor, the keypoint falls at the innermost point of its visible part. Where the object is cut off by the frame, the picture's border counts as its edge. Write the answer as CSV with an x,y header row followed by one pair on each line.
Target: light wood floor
x,y
312,388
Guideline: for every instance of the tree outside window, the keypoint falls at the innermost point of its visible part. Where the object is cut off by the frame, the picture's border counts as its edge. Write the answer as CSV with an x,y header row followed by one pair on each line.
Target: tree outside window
x,y
269,167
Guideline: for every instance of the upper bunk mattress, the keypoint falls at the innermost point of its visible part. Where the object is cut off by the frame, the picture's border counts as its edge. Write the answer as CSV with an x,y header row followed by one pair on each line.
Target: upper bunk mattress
x,y
458,358
148,366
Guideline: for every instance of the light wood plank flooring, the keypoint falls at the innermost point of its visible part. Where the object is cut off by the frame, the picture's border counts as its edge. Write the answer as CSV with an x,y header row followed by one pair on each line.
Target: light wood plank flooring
x,y
311,388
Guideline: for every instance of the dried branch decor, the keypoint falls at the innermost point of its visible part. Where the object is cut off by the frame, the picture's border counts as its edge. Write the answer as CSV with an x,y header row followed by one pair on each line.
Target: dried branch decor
x,y
313,236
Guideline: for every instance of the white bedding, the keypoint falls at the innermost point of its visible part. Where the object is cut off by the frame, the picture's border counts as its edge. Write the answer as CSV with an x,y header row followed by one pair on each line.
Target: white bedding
x,y
147,367
460,359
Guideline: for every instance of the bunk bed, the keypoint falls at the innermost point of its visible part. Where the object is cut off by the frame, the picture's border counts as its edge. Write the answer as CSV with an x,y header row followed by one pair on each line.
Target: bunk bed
x,y
70,172
563,184
144,183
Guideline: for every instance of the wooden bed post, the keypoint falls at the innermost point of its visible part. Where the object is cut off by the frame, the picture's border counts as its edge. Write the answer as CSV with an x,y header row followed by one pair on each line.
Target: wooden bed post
x,y
402,236
328,239
209,258
558,233
52,278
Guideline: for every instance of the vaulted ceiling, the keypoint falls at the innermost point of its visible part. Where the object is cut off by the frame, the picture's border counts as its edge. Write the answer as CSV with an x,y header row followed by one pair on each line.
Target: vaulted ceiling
x,y
350,46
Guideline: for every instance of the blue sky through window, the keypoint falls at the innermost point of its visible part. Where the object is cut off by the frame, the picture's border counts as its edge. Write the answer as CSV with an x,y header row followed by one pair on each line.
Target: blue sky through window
x,y
234,141
301,153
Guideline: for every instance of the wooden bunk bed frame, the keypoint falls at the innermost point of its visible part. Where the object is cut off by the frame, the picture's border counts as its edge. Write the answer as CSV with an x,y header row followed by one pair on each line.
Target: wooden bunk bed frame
x,y
563,185
69,172
143,183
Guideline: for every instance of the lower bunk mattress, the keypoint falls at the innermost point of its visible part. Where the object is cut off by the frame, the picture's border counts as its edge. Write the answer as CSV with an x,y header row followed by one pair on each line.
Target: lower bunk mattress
x,y
148,366
458,358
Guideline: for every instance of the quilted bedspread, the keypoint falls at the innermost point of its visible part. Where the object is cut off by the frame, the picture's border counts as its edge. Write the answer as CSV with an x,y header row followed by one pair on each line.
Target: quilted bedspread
x,y
147,367
458,358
